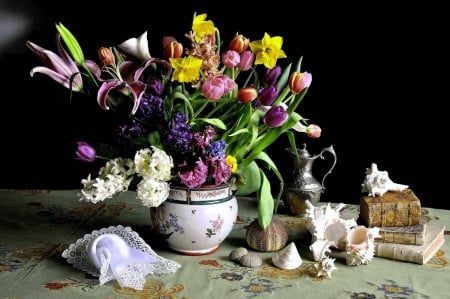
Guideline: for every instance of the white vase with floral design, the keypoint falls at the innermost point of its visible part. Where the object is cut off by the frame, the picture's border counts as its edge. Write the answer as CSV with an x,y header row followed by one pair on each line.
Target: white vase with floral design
x,y
195,221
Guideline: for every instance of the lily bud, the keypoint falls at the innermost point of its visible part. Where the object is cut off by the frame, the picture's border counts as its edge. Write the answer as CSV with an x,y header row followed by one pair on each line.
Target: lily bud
x,y
313,131
173,49
85,152
299,81
247,94
276,116
106,56
239,43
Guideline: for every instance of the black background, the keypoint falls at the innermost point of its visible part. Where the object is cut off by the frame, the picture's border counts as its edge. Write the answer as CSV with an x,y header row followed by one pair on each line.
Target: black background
x,y
379,89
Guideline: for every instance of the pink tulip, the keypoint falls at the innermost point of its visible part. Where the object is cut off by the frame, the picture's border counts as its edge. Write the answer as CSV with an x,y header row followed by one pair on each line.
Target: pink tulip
x,y
213,88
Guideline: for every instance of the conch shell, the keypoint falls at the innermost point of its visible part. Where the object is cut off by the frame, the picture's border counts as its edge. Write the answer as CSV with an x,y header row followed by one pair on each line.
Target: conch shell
x,y
361,245
327,228
378,182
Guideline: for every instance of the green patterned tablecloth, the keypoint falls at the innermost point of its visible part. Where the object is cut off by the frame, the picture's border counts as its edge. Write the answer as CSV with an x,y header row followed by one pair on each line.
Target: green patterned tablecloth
x,y
37,225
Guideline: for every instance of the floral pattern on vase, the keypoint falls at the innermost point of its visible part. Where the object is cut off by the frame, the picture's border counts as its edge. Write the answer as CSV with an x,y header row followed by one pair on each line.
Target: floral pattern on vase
x,y
195,221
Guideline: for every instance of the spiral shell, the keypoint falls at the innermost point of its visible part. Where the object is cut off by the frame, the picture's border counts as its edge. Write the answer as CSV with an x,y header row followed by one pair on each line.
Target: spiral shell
x,y
273,238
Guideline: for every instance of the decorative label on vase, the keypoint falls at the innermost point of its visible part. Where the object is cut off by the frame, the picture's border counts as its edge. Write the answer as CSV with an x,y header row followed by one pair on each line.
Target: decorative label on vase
x,y
204,195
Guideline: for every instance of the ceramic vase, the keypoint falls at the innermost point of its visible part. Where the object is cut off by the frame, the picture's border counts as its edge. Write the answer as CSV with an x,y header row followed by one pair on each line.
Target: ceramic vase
x,y
195,221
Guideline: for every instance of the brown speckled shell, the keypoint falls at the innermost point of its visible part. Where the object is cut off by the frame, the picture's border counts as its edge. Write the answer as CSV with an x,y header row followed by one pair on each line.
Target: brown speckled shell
x,y
273,238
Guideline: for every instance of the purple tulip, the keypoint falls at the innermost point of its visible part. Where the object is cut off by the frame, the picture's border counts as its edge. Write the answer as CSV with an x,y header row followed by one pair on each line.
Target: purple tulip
x,y
268,95
85,152
270,76
276,117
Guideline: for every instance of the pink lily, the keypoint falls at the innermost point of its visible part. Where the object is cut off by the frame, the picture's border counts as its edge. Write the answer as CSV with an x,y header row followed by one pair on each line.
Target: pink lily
x,y
128,82
61,68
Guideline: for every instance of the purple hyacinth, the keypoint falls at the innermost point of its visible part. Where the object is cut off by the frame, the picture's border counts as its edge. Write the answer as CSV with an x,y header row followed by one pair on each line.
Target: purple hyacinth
x,y
151,110
217,149
178,137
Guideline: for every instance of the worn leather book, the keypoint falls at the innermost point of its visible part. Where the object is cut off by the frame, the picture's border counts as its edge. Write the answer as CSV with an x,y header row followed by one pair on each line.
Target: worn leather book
x,y
419,254
412,234
394,208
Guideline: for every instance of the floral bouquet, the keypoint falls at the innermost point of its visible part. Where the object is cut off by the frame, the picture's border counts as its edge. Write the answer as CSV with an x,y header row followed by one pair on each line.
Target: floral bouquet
x,y
202,114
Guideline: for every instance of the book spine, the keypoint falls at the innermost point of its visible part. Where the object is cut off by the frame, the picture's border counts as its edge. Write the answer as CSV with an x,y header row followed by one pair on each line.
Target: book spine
x,y
398,252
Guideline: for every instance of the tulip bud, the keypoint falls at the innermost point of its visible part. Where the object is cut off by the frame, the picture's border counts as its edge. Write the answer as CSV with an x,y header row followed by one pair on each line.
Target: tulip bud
x,y
247,59
106,56
173,49
231,58
239,43
85,152
213,88
313,131
271,76
299,81
268,95
247,94
276,116
228,83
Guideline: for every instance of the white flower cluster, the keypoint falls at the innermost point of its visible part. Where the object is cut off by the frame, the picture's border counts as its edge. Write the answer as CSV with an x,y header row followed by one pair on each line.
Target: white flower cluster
x,y
153,167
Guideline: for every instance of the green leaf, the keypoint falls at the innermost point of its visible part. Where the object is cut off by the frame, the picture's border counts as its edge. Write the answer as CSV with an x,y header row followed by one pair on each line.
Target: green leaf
x,y
284,77
251,179
263,156
299,64
212,121
265,202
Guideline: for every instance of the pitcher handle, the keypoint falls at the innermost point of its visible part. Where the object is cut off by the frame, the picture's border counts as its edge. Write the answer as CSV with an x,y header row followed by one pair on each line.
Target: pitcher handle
x,y
329,149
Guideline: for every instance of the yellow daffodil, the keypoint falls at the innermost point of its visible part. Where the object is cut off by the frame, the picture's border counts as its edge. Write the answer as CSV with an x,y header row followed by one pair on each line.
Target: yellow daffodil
x,y
231,160
186,69
268,50
201,26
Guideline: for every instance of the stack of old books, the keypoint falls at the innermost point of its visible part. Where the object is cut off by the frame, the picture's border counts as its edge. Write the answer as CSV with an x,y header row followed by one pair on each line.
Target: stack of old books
x,y
403,236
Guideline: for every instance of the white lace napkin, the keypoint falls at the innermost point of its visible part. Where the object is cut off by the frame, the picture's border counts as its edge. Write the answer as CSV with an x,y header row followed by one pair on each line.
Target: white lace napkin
x,y
118,253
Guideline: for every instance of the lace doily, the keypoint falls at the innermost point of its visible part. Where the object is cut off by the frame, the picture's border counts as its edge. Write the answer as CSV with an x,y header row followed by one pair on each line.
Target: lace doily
x,y
117,252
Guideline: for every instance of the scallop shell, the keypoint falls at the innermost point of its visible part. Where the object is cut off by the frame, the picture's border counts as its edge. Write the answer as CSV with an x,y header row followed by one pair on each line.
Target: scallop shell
x,y
237,253
273,238
288,258
251,260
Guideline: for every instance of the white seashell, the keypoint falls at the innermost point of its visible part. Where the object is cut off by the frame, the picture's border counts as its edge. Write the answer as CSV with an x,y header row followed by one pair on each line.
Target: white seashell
x,y
287,258
361,245
325,267
378,182
358,238
336,232
325,223
319,249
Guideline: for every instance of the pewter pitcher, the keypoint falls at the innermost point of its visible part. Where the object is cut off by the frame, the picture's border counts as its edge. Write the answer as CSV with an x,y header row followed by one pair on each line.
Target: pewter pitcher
x,y
303,185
